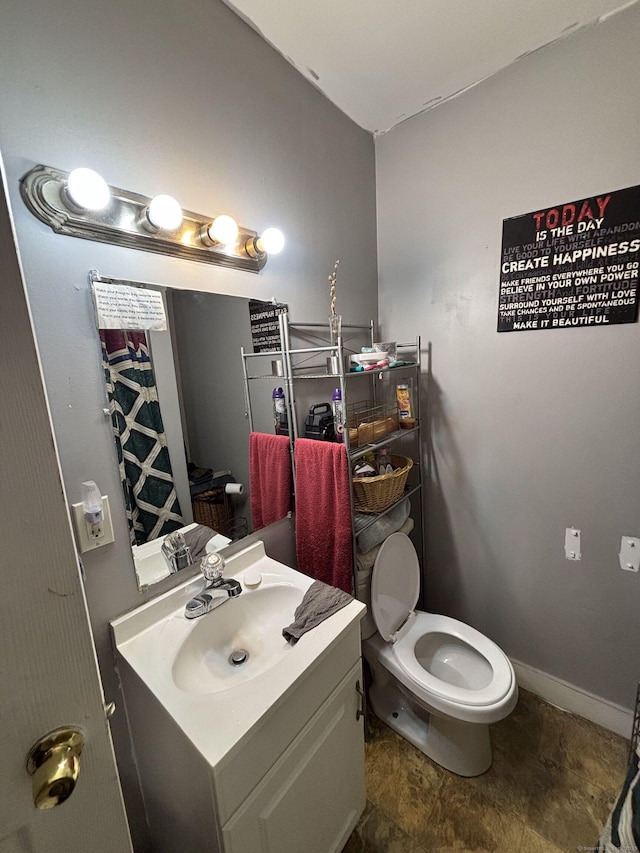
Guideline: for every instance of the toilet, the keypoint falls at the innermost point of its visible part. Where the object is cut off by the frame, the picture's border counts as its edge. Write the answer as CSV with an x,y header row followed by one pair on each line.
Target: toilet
x,y
438,682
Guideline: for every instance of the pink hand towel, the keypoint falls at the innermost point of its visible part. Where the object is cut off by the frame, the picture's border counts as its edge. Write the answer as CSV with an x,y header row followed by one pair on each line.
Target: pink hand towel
x,y
269,478
323,513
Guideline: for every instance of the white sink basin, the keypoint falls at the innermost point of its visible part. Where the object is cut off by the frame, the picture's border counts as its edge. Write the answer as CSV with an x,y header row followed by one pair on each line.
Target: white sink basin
x,y
185,662
252,623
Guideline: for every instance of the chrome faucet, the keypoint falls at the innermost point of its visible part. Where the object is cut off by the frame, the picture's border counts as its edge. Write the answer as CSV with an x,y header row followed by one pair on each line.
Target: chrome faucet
x,y
176,552
216,590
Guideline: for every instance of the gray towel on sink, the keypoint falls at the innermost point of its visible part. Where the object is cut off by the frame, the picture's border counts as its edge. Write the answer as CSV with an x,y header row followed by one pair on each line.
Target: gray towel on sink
x,y
320,601
197,539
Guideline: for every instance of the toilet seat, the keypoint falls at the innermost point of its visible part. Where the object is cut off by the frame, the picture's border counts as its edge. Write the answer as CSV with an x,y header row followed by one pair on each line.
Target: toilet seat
x,y
395,587
424,624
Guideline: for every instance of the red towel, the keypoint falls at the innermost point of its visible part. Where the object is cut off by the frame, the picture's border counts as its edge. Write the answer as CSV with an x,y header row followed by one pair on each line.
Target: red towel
x,y
323,513
269,478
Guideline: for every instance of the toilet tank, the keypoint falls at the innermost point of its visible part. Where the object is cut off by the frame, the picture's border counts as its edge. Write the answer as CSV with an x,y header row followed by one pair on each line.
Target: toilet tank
x,y
363,593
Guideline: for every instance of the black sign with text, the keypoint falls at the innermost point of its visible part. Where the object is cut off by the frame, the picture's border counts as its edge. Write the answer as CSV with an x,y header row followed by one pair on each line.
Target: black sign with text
x,y
265,327
575,264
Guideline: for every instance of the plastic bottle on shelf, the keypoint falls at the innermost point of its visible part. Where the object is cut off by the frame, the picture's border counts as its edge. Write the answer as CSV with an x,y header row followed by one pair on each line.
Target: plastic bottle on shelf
x,y
405,408
280,421
384,462
338,414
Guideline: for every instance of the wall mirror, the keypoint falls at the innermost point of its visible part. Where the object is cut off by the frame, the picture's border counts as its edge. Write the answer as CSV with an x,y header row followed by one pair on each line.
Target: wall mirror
x,y
196,368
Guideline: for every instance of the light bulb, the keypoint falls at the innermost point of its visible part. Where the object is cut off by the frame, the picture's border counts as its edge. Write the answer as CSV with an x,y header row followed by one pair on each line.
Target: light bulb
x,y
223,229
271,241
164,213
87,189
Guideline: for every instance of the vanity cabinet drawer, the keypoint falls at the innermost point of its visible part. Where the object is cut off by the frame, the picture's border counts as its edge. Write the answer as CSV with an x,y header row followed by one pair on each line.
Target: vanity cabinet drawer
x,y
236,776
314,794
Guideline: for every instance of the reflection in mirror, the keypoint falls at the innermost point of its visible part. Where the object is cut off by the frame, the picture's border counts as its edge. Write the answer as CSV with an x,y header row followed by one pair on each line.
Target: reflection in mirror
x,y
190,379
150,498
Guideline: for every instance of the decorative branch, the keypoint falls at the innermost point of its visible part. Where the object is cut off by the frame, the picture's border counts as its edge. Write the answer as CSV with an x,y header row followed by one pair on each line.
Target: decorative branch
x,y
332,291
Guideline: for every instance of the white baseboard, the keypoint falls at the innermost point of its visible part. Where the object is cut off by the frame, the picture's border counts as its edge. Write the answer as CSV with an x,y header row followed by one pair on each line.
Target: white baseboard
x,y
573,699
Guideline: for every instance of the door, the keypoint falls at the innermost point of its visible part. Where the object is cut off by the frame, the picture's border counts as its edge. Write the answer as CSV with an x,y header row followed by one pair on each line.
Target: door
x,y
48,670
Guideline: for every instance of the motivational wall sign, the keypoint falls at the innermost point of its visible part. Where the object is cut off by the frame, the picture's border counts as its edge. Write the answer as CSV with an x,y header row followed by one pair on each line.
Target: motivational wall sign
x,y
265,327
574,264
123,306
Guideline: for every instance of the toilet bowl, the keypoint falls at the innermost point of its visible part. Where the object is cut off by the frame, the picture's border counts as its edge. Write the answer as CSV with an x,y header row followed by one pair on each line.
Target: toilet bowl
x,y
436,681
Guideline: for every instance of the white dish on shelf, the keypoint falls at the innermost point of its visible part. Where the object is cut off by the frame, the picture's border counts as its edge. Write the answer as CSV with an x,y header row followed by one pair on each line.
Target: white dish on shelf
x,y
369,357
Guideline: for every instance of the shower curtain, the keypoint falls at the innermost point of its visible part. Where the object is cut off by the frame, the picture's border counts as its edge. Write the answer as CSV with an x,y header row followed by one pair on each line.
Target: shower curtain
x,y
145,468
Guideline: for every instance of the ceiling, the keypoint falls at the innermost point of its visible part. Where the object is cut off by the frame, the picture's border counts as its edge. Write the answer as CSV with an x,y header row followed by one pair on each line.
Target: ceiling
x,y
381,62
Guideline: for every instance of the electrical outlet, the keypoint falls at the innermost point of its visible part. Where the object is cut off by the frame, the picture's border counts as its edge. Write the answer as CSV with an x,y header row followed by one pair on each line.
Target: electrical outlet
x,y
92,536
97,530
572,544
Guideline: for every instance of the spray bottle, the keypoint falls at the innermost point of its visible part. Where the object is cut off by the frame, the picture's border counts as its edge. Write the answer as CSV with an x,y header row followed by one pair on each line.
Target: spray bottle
x,y
338,414
280,421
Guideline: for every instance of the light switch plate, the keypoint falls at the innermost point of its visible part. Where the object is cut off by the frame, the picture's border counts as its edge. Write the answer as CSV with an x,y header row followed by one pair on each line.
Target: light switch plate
x,y
572,544
629,555
85,543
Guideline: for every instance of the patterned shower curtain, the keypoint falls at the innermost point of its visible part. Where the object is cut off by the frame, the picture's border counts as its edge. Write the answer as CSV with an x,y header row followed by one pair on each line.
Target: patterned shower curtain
x,y
145,468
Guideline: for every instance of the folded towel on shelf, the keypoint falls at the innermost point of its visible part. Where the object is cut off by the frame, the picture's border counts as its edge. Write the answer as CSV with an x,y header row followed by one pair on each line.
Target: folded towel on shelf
x,y
198,475
320,601
382,527
196,539
323,512
269,478
365,561
207,479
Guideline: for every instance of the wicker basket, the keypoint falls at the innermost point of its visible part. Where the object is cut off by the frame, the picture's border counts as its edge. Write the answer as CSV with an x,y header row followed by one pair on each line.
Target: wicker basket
x,y
213,509
375,494
368,423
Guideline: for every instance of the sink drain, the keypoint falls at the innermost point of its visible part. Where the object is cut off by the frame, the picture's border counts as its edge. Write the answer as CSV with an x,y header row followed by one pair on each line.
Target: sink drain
x,y
238,657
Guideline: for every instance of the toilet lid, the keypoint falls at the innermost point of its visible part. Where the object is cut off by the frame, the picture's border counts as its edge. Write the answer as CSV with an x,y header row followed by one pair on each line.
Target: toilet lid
x,y
395,584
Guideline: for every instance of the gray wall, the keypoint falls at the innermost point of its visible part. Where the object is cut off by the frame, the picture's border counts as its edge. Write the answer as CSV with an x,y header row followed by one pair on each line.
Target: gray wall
x,y
181,98
209,331
532,432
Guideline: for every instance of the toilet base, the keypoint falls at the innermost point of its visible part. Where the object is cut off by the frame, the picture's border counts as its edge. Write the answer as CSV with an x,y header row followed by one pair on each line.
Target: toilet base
x,y
463,748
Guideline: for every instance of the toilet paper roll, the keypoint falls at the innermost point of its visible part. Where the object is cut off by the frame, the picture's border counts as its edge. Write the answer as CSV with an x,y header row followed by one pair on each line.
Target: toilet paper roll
x,y
234,488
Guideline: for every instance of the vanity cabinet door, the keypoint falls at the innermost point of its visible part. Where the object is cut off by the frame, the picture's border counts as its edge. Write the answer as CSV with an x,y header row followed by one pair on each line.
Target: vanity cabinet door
x,y
312,797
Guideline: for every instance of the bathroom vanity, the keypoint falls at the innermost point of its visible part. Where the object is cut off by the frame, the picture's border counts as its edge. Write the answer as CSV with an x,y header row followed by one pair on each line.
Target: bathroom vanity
x,y
262,757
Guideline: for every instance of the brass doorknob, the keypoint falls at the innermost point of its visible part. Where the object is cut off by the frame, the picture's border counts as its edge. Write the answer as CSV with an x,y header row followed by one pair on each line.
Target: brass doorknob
x,y
54,766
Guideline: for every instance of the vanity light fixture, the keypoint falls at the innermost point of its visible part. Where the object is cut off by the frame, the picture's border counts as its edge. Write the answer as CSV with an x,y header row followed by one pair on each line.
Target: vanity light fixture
x,y
81,204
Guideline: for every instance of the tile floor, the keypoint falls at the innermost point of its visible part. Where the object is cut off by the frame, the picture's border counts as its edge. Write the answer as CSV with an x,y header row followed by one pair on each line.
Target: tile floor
x,y
553,781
